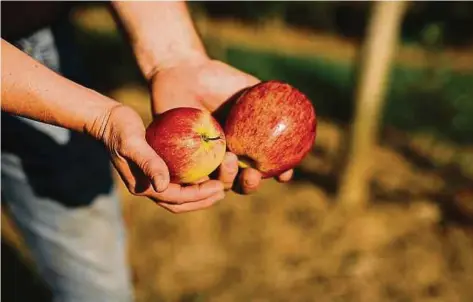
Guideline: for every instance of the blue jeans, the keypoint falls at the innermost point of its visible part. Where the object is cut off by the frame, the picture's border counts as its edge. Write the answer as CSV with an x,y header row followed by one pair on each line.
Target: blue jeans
x,y
59,188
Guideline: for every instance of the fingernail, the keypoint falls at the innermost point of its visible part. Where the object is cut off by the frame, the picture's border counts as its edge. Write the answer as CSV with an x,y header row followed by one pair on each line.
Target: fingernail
x,y
250,183
159,183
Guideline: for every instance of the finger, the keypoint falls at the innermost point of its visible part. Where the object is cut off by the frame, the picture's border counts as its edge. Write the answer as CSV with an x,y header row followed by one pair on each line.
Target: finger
x,y
178,194
154,168
286,176
133,177
241,79
204,179
193,206
235,80
228,170
250,180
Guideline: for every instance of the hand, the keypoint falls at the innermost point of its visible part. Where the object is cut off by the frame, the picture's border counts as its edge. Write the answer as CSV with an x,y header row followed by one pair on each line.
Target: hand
x,y
206,84
143,171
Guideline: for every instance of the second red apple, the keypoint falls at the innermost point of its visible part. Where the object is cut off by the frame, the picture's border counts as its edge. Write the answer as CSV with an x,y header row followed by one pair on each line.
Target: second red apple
x,y
271,127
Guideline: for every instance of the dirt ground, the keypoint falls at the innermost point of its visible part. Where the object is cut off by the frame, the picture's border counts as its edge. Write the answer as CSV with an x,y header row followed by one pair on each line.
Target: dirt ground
x,y
414,241
294,243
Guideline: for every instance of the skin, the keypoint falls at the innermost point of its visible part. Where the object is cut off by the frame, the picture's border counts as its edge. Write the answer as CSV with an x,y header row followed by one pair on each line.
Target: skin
x,y
172,58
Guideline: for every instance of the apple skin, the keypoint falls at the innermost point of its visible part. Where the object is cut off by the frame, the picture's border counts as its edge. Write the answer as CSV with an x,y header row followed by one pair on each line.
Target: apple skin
x,y
189,140
271,127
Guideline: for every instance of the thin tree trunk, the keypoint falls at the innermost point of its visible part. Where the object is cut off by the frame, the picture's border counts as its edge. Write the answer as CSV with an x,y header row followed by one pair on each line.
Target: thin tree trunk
x,y
378,49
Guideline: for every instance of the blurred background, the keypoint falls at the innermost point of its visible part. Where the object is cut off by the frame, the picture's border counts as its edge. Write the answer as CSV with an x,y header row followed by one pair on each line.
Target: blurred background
x,y
412,237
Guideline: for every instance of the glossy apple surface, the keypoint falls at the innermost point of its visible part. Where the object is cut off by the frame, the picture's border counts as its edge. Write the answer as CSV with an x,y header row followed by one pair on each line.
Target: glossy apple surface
x,y
271,127
189,140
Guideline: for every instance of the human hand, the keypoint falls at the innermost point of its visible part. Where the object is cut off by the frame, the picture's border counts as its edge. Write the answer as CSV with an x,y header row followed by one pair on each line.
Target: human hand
x,y
207,84
143,171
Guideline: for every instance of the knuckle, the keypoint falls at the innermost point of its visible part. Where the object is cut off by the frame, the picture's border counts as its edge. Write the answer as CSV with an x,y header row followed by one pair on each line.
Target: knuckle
x,y
145,165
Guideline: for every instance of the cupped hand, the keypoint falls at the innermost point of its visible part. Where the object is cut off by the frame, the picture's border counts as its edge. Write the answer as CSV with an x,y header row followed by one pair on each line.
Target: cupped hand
x,y
207,84
144,172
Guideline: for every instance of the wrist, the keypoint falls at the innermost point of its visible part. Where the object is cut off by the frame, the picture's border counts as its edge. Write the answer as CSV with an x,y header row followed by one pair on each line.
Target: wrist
x,y
96,124
162,34
151,63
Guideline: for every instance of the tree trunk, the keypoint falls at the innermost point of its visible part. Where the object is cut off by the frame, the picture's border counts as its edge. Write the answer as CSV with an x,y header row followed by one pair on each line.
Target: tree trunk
x,y
378,49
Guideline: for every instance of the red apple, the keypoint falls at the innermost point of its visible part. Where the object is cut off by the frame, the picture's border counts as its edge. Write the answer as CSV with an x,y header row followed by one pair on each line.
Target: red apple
x,y
271,127
189,140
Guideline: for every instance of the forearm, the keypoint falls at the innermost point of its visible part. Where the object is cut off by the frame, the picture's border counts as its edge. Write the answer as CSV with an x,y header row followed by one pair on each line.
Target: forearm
x,y
161,33
31,90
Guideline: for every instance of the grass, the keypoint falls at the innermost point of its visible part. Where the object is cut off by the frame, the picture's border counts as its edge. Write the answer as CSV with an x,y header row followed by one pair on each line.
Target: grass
x,y
428,92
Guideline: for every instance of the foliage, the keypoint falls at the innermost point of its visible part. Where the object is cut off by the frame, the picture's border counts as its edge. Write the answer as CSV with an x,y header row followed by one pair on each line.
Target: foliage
x,y
438,101
348,18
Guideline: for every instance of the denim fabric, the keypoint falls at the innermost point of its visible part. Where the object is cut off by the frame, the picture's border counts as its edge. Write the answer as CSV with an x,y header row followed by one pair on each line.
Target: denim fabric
x,y
59,188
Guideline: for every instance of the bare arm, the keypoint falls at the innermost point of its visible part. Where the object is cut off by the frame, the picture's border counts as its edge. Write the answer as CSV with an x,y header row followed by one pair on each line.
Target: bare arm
x,y
32,90
172,57
161,33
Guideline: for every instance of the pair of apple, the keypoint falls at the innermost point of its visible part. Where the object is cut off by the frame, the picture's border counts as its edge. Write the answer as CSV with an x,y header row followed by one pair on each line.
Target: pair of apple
x,y
271,127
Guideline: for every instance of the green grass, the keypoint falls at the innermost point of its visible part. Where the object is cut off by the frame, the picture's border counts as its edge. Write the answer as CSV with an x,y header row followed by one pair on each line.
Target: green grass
x,y
438,101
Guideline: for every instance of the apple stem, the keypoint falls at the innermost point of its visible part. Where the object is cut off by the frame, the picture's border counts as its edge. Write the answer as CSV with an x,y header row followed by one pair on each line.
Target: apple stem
x,y
210,138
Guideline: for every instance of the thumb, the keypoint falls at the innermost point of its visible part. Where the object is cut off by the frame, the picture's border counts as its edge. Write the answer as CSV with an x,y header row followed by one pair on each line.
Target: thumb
x,y
152,165
235,80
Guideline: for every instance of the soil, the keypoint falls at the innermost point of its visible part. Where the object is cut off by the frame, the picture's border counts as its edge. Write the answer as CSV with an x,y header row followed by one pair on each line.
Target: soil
x,y
413,242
